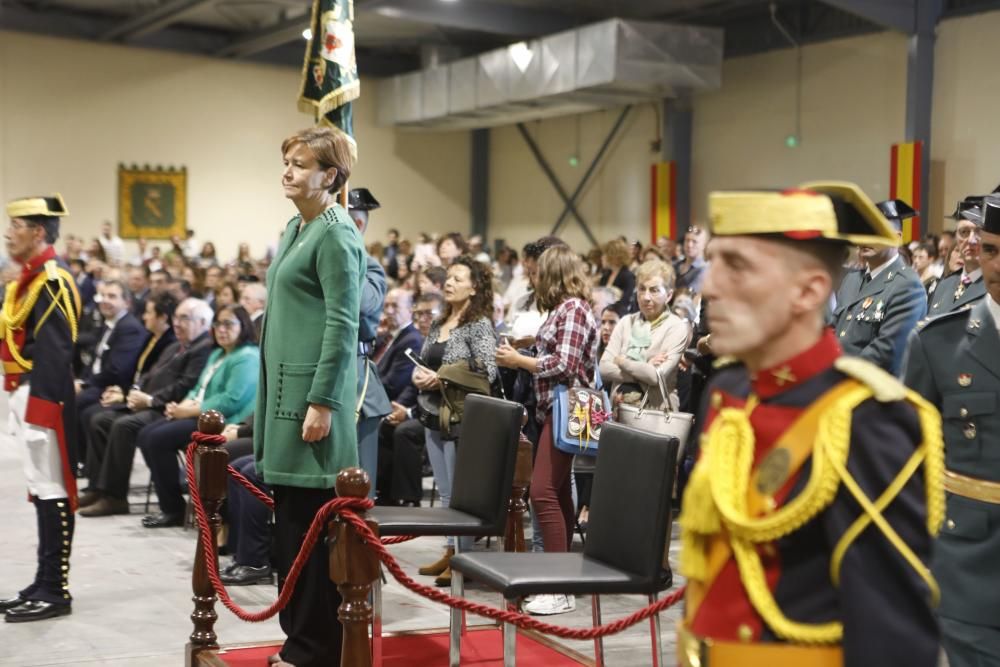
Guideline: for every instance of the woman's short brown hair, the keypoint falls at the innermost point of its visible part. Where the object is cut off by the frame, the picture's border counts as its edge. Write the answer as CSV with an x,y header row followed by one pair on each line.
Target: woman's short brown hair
x,y
561,276
617,252
655,268
331,148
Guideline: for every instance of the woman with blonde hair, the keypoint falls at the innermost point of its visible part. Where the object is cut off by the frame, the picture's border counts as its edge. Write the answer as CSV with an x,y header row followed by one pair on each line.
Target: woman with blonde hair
x,y
646,347
567,355
615,257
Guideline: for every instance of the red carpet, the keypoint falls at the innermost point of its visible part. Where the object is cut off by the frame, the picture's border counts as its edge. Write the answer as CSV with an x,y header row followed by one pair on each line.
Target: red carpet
x,y
480,648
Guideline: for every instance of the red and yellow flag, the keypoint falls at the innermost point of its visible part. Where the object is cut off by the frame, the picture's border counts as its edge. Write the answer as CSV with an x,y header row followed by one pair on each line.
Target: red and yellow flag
x,y
663,202
904,182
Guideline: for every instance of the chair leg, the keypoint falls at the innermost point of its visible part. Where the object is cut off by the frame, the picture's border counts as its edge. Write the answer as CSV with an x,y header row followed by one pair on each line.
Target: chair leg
x,y
377,622
599,641
509,645
461,584
456,625
654,629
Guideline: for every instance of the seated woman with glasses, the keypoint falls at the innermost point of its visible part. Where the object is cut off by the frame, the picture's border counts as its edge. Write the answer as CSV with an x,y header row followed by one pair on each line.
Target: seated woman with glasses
x,y
227,384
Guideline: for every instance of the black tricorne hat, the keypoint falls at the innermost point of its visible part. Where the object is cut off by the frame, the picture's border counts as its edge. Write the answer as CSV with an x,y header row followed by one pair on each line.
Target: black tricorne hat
x,y
361,199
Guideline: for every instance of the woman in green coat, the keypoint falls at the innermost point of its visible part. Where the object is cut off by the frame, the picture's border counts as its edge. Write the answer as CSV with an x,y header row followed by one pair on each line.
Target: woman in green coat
x,y
304,425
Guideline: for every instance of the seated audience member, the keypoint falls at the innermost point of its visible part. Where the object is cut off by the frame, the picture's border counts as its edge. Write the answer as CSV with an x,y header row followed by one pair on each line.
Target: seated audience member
x,y
181,289
249,538
396,369
114,429
431,280
226,294
227,384
253,298
608,321
137,281
121,341
645,348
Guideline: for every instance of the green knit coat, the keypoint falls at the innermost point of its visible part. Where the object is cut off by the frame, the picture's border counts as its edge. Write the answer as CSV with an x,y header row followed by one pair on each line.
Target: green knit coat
x,y
308,351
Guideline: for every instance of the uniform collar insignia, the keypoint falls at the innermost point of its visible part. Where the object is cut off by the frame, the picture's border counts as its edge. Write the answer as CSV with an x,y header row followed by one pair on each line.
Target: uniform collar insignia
x,y
789,373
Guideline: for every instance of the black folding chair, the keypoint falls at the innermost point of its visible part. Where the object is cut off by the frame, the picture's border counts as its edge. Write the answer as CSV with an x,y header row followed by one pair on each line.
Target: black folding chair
x,y
626,546
484,474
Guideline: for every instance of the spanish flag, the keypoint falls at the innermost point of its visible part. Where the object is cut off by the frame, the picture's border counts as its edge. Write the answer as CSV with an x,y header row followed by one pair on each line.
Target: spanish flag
x,y
904,182
663,203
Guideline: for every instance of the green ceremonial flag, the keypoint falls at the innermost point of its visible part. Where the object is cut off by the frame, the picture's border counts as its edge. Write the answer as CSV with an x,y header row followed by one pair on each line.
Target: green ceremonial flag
x,y
330,71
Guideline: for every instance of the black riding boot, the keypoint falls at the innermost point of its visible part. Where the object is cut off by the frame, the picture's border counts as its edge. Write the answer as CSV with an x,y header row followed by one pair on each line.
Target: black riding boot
x,y
49,595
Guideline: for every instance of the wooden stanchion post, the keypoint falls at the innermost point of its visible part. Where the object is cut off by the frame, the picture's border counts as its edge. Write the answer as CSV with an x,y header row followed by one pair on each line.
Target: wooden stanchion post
x,y
354,568
210,471
517,505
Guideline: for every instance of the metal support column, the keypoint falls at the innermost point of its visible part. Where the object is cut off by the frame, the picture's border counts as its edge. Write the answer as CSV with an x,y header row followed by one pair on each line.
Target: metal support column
x,y
677,127
479,185
920,93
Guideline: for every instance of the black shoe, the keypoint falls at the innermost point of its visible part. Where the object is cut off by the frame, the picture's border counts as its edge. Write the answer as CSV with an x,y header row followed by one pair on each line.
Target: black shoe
x,y
162,520
244,575
36,610
10,603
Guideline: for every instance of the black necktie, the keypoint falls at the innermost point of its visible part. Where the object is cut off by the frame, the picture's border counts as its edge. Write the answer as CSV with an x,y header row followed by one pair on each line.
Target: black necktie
x,y
867,279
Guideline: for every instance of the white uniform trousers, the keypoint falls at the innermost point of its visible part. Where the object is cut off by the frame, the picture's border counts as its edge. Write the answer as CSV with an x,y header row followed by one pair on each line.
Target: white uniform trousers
x,y
43,466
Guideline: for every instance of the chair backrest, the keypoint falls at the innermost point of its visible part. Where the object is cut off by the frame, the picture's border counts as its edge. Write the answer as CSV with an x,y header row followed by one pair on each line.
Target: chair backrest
x,y
485,457
630,509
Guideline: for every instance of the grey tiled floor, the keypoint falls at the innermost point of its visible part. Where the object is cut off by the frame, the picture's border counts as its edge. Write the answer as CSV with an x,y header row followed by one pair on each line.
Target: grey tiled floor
x,y
132,592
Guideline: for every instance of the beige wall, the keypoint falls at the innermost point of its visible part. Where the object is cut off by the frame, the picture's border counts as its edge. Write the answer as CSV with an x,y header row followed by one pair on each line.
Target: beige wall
x,y
964,132
853,104
71,111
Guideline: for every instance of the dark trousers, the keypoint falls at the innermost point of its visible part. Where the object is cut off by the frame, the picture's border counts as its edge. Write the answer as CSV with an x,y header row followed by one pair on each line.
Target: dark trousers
x,y
551,493
401,461
88,403
970,645
159,443
310,619
249,535
113,436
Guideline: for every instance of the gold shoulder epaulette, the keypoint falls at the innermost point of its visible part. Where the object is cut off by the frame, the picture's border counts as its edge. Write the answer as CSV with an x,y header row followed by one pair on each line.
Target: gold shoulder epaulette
x,y
722,362
52,270
884,386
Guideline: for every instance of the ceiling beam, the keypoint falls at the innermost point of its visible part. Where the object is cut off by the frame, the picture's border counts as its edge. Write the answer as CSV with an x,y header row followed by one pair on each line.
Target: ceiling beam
x,y
155,19
484,16
266,38
899,15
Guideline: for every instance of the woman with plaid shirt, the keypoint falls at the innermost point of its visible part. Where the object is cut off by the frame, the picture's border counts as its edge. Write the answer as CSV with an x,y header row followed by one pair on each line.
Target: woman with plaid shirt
x,y
567,355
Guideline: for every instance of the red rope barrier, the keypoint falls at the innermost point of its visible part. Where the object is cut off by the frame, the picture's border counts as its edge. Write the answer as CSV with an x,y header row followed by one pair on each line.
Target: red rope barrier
x,y
346,507
207,537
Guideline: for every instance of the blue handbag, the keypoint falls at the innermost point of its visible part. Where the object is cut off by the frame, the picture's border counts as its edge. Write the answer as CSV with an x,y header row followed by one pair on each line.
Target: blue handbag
x,y
578,414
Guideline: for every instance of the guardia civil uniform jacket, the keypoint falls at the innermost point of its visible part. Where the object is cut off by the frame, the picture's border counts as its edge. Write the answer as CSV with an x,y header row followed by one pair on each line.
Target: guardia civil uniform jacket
x,y
874,318
954,362
956,291
38,328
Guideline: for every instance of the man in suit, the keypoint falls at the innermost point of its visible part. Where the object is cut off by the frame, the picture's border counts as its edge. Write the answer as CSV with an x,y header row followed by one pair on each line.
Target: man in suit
x,y
954,363
373,403
253,298
121,341
878,306
138,285
962,288
36,345
113,429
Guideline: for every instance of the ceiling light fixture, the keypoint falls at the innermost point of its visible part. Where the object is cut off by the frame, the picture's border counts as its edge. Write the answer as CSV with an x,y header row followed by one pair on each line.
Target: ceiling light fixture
x,y
521,54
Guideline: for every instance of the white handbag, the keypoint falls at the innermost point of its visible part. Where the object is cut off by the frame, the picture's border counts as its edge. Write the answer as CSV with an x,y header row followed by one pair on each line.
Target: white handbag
x,y
662,422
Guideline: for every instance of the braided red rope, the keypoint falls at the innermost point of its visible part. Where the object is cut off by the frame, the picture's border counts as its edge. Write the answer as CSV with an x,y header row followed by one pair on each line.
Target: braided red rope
x,y
346,507
206,536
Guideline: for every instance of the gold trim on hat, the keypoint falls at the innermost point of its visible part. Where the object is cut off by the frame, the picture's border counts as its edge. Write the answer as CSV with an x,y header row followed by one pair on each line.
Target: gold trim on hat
x,y
22,208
